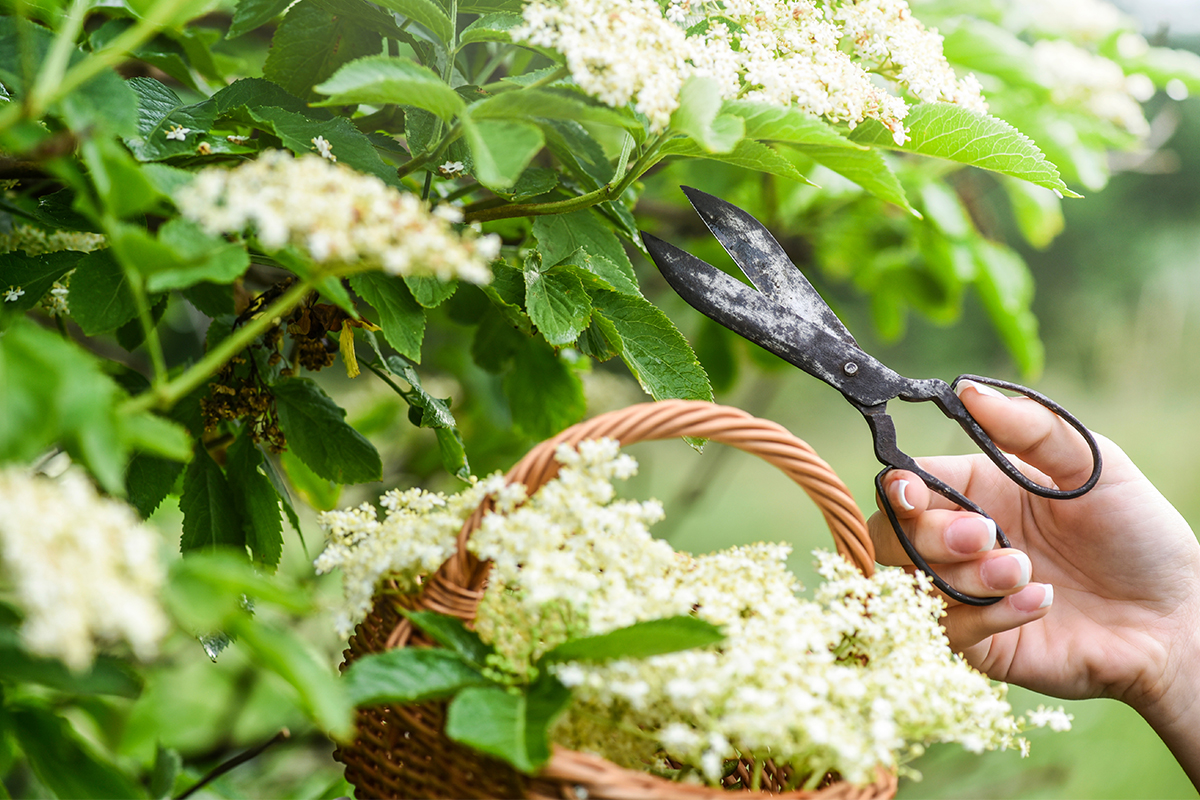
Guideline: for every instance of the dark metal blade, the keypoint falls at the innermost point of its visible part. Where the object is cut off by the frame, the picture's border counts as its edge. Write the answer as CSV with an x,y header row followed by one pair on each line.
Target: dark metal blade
x,y
764,261
775,327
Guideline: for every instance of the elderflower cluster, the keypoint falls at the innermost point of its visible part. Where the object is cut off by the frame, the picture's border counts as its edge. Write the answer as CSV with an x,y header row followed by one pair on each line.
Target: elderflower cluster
x,y
35,241
818,57
84,569
860,676
1090,21
414,537
335,214
1099,86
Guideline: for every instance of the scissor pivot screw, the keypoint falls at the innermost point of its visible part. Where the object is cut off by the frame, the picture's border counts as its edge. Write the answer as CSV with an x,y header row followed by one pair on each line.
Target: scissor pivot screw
x,y
850,368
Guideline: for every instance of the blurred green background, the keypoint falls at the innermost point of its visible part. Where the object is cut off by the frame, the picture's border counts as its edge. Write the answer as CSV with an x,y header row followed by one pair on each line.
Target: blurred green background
x,y
1118,299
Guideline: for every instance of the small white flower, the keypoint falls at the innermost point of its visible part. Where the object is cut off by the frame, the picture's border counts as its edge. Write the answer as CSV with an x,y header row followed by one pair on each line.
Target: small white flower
x,y
450,169
324,148
13,293
234,138
346,217
178,132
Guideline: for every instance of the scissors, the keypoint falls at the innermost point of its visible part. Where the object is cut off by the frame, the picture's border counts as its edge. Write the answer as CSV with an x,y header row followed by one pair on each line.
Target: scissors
x,y
790,319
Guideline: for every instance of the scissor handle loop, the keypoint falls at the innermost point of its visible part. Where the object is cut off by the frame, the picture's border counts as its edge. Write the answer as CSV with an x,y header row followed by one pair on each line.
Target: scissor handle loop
x,y
989,447
918,560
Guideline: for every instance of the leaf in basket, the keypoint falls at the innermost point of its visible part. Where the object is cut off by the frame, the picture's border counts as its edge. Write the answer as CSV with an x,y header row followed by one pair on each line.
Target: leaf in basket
x,y
639,640
514,727
410,675
450,633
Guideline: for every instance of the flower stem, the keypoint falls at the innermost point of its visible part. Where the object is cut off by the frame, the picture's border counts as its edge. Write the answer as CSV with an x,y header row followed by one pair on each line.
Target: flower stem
x,y
164,396
608,191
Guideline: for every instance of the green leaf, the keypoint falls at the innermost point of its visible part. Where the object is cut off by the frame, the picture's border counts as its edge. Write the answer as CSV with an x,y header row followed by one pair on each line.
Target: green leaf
x,y
639,640
451,634
867,168
122,187
311,44
104,104
770,122
1006,289
699,110
426,13
351,146
430,411
317,432
250,14
66,764
168,763
453,452
256,501
377,80
1038,212
560,236
210,517
430,292
557,304
53,392
400,316
653,349
501,149
35,275
747,154
534,104
157,436
599,272
409,675
534,182
491,28
544,394
159,112
321,693
182,255
149,480
513,727
946,131
578,151
320,493
101,299
259,93
496,341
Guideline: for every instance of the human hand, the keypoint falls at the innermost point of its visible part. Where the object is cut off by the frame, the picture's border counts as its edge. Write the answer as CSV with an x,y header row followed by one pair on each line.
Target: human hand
x,y
1102,593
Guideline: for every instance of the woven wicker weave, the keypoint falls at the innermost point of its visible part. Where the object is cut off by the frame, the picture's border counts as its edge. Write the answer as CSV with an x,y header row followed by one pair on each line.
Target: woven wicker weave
x,y
401,750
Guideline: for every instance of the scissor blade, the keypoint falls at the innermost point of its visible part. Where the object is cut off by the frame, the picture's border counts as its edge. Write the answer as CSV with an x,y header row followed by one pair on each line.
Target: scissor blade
x,y
764,261
774,327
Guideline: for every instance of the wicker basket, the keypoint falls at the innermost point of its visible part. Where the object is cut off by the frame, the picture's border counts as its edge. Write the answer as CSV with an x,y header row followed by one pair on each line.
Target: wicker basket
x,y
401,750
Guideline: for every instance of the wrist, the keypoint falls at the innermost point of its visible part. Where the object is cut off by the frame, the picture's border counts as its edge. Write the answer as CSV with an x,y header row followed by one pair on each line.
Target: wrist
x,y
1168,696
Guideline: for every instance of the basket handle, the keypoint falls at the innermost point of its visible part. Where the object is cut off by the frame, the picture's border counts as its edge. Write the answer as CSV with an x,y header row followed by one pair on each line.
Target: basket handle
x,y
462,577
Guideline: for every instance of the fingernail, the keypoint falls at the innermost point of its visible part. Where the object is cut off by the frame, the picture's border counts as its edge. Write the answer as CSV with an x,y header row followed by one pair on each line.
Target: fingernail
x,y
1010,571
969,535
1033,598
900,495
983,389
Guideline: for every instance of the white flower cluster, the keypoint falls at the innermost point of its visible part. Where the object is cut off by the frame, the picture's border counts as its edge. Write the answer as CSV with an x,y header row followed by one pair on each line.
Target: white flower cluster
x,y
860,676
1078,77
1090,21
335,214
818,57
85,570
413,539
35,241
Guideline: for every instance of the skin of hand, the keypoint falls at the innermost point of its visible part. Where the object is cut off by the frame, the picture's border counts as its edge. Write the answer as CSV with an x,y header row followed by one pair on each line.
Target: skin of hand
x,y
1102,592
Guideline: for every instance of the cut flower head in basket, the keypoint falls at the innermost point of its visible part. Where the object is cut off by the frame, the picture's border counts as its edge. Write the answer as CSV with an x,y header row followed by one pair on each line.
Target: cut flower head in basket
x,y
860,676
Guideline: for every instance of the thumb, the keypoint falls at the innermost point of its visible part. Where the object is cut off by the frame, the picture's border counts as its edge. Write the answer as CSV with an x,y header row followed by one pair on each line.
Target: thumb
x,y
1031,432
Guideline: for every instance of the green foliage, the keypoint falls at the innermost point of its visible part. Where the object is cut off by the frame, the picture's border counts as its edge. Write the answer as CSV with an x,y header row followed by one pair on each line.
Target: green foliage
x,y
182,371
